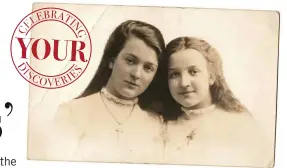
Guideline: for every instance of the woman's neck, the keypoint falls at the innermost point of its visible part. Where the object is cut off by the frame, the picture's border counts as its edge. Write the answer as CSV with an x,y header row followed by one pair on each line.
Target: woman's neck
x,y
116,99
199,111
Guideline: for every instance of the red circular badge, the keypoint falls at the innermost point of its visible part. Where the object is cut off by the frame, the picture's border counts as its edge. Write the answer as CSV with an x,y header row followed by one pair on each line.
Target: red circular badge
x,y
57,53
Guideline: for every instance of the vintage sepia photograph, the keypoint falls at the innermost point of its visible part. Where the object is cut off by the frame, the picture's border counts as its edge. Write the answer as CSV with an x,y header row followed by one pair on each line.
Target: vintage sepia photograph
x,y
156,85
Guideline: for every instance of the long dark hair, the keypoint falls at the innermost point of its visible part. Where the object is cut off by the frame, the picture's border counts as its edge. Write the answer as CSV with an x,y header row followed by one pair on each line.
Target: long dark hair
x,y
221,95
131,28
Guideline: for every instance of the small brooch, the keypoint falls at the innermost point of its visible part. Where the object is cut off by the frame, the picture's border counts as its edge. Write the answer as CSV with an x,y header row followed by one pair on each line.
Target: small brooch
x,y
190,136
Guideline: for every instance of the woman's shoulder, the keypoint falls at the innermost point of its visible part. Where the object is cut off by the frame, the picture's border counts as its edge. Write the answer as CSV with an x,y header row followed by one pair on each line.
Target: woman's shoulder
x,y
75,110
232,124
239,125
82,101
150,116
232,117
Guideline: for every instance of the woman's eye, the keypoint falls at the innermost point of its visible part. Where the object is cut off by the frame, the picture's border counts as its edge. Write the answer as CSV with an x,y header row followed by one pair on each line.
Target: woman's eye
x,y
194,72
173,75
149,68
130,61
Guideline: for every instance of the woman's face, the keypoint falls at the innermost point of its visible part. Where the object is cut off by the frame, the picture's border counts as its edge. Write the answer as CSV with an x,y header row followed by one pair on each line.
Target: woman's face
x,y
132,70
189,79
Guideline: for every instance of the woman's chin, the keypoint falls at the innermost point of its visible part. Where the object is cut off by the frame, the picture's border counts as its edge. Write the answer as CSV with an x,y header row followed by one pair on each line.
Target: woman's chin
x,y
189,104
129,94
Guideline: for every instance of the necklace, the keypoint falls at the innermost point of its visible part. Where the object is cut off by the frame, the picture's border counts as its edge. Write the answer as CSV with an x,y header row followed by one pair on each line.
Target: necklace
x,y
198,112
117,100
118,130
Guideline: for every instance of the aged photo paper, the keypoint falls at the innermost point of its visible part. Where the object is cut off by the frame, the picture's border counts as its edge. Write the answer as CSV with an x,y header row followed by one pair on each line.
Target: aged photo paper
x,y
163,85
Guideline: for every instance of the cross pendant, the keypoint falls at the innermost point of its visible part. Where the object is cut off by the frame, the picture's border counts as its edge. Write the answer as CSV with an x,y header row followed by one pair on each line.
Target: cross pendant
x,y
118,133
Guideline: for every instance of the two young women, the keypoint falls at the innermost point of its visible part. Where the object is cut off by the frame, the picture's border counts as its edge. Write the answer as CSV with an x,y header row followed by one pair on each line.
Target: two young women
x,y
151,103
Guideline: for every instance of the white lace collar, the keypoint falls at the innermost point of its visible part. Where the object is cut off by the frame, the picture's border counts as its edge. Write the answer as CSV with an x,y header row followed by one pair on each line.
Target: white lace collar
x,y
196,112
117,100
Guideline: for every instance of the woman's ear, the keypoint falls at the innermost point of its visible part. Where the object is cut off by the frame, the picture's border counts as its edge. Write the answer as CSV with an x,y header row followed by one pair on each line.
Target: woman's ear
x,y
212,78
111,63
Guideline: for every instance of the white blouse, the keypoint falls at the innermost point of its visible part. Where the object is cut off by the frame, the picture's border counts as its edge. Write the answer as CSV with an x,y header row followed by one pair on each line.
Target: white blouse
x,y
212,136
96,128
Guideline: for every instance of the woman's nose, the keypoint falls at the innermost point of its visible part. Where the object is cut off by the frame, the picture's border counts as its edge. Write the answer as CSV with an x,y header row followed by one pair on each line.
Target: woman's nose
x,y
136,72
185,81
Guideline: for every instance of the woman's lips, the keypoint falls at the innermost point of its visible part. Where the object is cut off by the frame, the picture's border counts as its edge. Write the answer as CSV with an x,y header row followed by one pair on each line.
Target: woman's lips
x,y
132,83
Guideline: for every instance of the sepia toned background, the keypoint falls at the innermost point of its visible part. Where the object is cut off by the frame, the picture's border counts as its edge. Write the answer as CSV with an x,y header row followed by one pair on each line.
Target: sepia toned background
x,y
246,40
